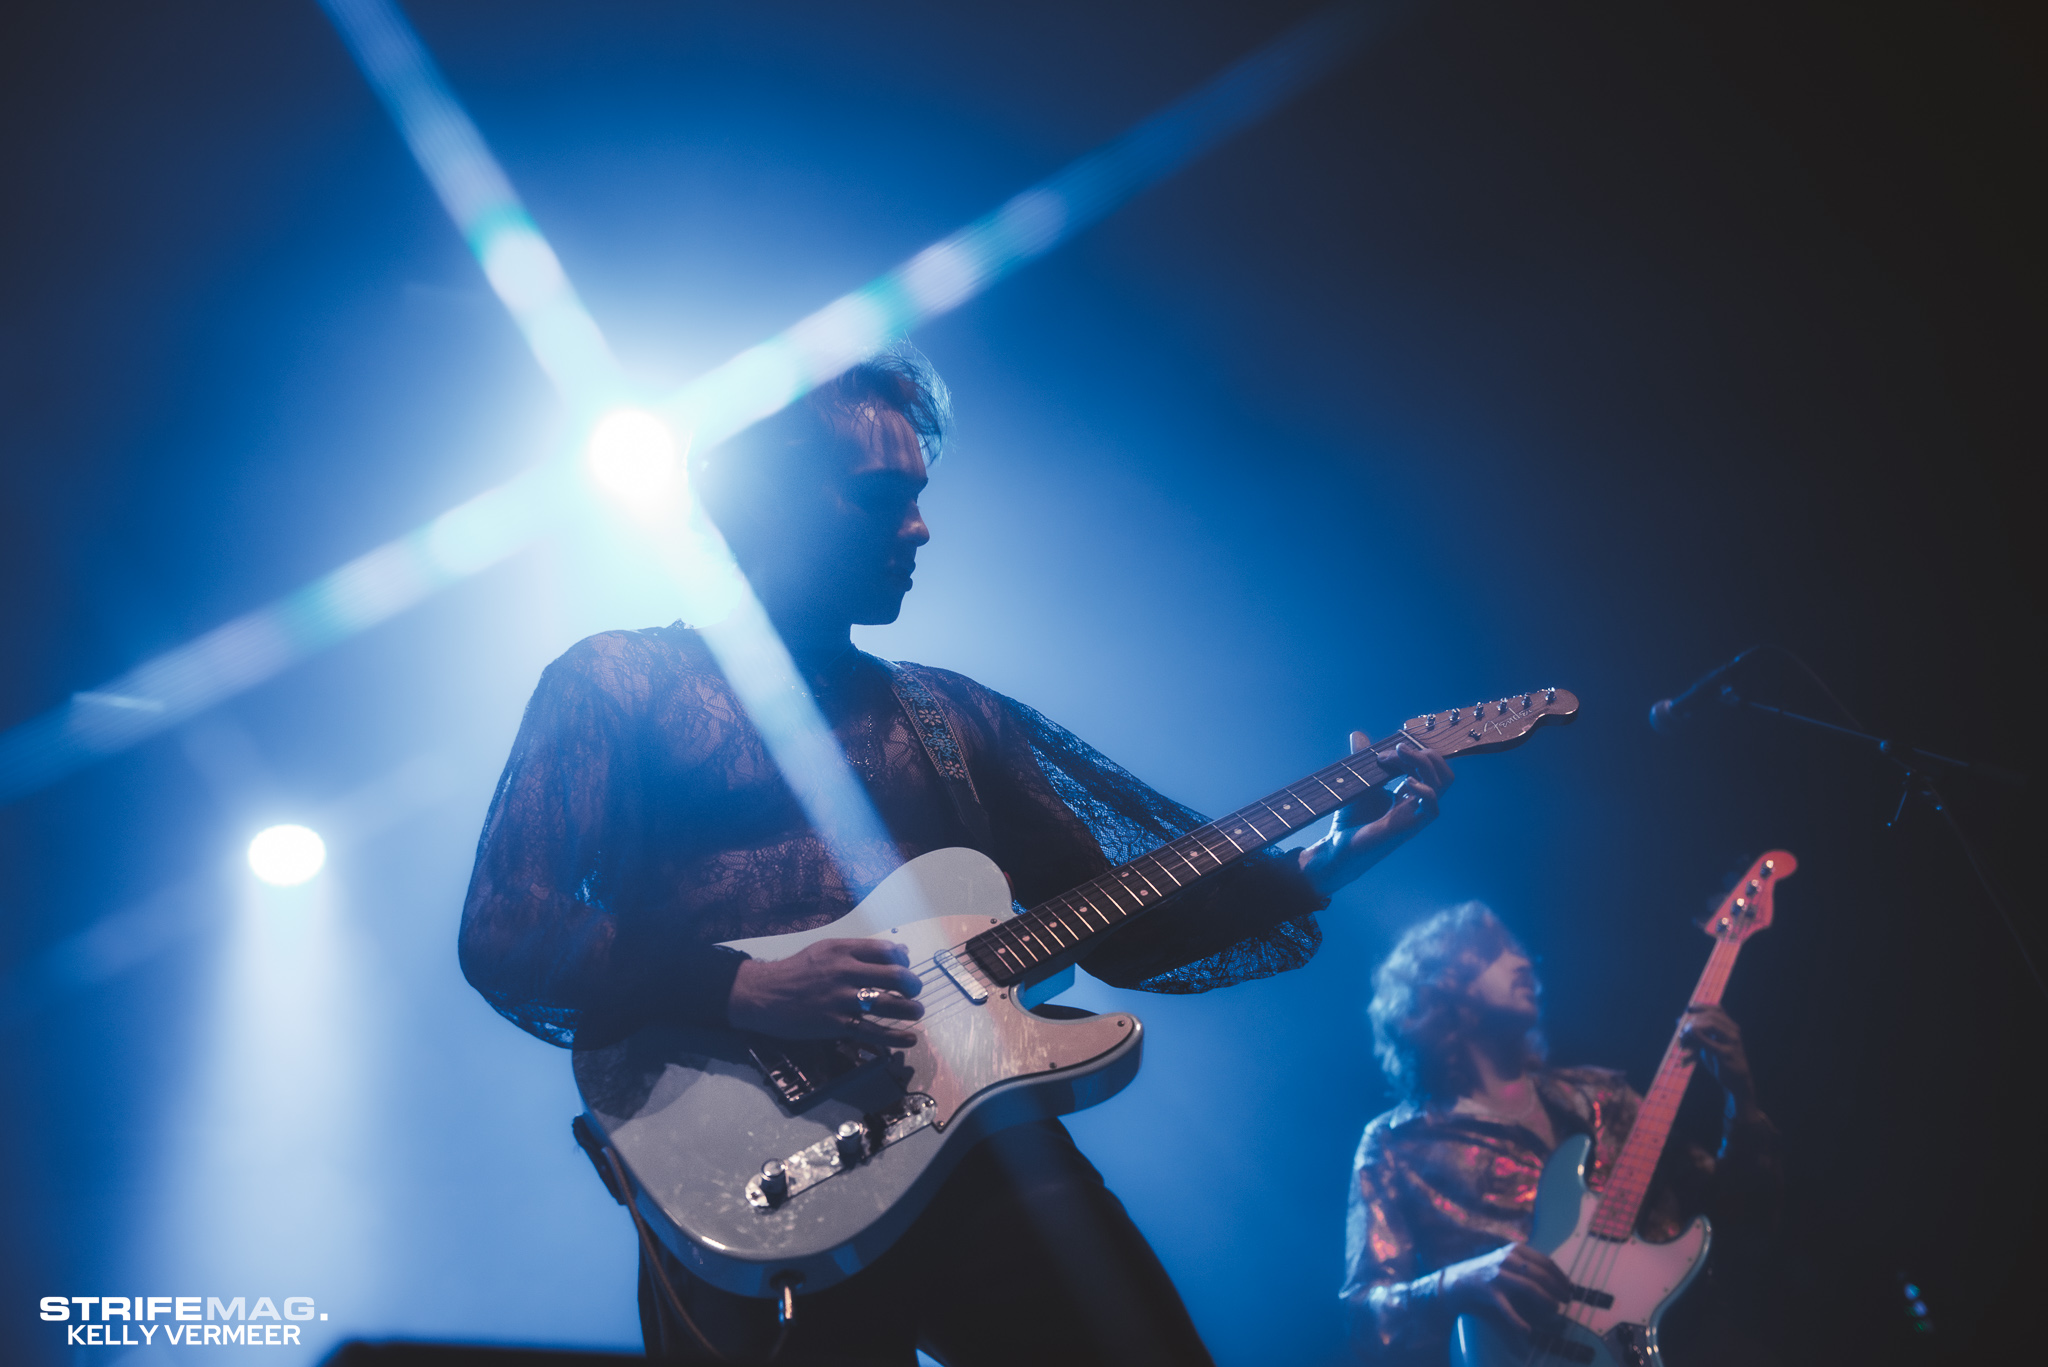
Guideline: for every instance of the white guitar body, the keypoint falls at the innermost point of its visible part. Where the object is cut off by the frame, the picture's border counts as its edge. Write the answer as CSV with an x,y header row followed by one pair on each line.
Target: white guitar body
x,y
765,1165
693,1114
1621,1288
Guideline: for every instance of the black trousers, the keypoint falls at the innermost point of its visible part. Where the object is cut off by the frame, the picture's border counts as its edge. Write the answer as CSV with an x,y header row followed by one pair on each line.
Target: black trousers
x,y
1024,1257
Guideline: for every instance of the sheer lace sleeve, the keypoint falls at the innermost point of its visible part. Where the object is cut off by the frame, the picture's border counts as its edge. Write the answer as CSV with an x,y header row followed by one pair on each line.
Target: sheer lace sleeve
x,y
550,934
1062,813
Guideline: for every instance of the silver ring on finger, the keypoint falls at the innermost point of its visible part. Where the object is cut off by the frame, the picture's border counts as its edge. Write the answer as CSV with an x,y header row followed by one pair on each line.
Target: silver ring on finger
x,y
866,997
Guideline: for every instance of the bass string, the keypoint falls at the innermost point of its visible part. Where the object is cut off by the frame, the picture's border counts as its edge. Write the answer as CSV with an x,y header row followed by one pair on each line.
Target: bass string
x,y
1596,1258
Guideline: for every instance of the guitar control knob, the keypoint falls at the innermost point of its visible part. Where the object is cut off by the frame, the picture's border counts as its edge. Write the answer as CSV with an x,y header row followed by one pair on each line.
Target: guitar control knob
x,y
774,1182
852,1140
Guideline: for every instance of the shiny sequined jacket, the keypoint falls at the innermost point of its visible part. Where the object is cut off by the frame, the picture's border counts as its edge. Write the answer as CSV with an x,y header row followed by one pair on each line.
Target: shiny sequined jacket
x,y
640,821
1431,1187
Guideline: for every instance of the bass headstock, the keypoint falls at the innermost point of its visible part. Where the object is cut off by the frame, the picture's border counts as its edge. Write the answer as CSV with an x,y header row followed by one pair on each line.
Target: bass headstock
x,y
1747,907
1497,725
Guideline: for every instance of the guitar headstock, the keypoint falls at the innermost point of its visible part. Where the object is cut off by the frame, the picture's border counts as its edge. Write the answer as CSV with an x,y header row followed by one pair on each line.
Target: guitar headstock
x,y
1496,725
1747,907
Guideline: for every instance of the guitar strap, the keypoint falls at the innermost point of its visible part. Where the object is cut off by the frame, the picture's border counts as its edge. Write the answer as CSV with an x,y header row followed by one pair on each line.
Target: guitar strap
x,y
941,743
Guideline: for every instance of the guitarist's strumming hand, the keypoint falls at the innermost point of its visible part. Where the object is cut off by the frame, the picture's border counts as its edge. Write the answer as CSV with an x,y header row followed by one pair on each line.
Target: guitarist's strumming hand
x,y
1514,1286
1368,830
816,994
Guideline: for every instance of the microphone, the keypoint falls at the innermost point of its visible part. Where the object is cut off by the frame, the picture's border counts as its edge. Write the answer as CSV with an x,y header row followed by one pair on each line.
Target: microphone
x,y
1670,714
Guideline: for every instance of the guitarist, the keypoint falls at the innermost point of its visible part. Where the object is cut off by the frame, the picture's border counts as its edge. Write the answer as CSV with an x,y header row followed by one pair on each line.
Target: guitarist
x,y
640,822
1444,1185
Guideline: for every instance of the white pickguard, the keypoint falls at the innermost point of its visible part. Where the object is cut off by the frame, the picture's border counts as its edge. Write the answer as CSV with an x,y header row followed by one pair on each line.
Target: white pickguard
x,y
693,1114
1642,1278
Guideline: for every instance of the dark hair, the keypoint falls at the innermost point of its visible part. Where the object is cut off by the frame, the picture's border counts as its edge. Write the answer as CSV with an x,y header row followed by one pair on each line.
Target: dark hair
x,y
1421,1015
756,461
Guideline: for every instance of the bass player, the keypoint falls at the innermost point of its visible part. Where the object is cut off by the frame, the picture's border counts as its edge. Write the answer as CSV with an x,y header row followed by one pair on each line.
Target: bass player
x,y
1444,1185
639,822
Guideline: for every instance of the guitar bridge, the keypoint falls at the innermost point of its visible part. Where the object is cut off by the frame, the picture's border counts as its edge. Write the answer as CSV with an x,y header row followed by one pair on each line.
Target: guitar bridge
x,y
801,1072
853,1144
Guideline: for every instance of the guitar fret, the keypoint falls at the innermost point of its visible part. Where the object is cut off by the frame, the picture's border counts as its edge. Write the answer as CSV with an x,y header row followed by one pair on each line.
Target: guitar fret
x,y
1630,1179
1010,956
1059,926
1035,937
1197,855
1115,915
1340,799
1108,891
1053,918
1244,816
1139,893
1274,813
1161,873
1289,803
1372,779
1082,906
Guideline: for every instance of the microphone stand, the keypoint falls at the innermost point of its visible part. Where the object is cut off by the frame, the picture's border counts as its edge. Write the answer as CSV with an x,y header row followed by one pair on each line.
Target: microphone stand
x,y
1911,760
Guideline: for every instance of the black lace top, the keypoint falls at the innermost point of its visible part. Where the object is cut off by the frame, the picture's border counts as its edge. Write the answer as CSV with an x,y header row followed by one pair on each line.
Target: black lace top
x,y
640,821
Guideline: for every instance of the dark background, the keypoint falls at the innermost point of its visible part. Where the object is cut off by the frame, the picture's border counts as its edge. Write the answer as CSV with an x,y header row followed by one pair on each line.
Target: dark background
x,y
1563,343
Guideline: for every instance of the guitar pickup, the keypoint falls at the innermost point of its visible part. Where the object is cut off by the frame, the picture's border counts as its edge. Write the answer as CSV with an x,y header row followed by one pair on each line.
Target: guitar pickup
x,y
801,1072
963,977
1599,1300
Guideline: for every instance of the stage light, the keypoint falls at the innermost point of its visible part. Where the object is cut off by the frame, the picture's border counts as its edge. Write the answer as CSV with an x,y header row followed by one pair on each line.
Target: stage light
x,y
633,455
529,278
285,856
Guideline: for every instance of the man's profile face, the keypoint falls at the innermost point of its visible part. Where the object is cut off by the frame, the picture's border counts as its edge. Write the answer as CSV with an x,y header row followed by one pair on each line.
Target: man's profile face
x,y
855,552
1507,988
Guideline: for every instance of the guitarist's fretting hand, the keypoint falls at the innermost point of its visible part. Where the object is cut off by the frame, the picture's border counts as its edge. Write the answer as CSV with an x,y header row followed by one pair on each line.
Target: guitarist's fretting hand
x,y
815,994
1368,830
1515,1286
1716,1040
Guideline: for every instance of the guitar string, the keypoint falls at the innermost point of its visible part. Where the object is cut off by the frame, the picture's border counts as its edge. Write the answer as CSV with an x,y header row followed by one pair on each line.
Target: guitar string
x,y
1664,1098
1606,1252
929,971
1712,980
1371,750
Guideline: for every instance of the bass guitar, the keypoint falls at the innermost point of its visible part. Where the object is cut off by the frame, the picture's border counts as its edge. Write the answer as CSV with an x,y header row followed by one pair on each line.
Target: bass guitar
x,y
1621,1286
767,1165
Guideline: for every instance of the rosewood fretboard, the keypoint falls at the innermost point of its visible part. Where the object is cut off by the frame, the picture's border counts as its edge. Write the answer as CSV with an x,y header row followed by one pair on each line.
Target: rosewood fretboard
x,y
1050,935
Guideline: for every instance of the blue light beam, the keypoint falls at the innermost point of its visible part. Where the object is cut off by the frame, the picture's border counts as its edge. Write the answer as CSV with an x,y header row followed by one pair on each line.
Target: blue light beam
x,y
517,260
172,688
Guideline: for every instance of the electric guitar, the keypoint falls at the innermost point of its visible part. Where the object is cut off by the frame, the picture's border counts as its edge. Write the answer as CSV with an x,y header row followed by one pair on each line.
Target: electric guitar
x,y
767,1165
1621,1286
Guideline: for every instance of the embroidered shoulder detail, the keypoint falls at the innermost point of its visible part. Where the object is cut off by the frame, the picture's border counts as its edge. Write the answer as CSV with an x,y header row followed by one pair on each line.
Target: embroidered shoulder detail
x,y
933,726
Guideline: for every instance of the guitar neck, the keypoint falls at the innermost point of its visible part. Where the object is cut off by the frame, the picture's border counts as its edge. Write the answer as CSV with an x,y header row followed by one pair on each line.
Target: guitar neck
x,y
1629,1183
1051,935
